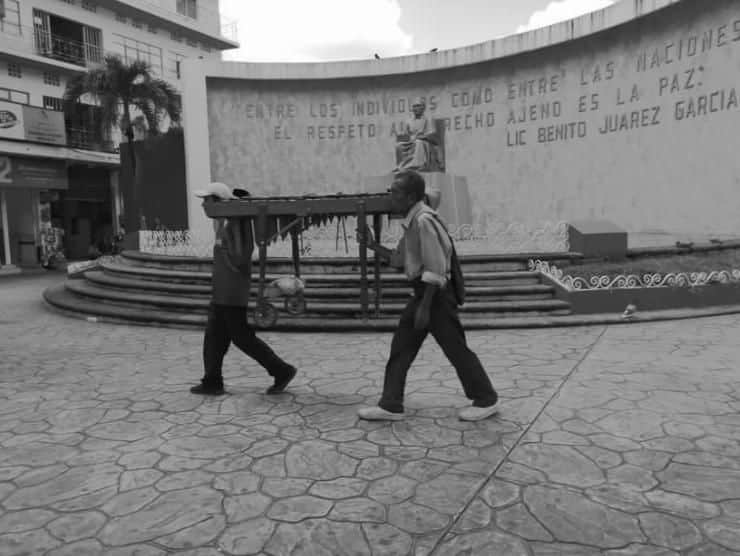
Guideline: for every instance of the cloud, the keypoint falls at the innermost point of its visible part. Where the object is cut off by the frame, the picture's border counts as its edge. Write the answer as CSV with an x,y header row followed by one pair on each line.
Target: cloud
x,y
316,30
562,10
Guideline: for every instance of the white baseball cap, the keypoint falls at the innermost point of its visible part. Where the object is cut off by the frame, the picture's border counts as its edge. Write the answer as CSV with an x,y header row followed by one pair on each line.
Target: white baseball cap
x,y
216,189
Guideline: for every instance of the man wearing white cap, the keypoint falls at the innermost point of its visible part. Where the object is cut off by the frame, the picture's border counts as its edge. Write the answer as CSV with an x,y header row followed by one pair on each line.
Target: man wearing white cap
x,y
227,314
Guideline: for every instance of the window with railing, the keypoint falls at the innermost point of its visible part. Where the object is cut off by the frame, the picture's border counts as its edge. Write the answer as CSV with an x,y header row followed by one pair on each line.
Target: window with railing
x,y
10,23
188,8
134,49
84,129
53,103
66,40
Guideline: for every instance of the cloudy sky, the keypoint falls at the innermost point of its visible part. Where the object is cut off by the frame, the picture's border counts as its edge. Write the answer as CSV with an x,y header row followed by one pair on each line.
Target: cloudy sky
x,y
321,30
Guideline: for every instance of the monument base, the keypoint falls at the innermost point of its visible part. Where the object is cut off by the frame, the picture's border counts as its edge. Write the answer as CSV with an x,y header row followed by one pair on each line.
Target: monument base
x,y
455,205
597,238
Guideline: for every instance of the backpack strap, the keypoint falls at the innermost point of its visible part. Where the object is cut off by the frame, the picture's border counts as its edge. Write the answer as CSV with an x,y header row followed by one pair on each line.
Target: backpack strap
x,y
456,276
442,225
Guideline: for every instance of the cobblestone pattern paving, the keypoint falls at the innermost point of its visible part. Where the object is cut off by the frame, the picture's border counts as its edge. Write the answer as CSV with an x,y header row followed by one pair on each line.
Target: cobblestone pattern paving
x,y
611,441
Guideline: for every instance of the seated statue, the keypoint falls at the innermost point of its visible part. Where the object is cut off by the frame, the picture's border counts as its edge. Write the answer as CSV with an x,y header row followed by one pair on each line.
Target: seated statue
x,y
420,146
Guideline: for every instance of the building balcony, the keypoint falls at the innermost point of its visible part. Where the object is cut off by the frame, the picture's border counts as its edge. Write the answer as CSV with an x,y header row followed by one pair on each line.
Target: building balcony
x,y
66,50
22,43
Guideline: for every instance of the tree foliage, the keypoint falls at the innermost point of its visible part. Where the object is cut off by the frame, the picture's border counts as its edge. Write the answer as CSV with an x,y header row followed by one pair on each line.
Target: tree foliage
x,y
117,87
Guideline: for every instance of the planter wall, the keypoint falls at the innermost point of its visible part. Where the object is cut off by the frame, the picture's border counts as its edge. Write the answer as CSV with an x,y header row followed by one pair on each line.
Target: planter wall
x,y
584,302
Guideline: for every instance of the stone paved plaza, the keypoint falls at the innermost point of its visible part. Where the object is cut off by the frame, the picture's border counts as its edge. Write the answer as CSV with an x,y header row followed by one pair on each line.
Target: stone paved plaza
x,y
619,440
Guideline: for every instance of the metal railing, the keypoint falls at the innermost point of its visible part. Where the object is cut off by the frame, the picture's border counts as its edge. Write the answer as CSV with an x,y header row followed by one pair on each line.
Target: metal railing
x,y
55,47
89,139
66,50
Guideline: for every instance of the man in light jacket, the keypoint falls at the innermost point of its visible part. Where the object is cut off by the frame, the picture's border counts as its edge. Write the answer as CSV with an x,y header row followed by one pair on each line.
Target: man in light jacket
x,y
427,250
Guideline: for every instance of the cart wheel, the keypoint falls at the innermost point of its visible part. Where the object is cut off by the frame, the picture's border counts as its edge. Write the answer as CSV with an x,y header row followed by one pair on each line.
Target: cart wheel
x,y
265,314
295,304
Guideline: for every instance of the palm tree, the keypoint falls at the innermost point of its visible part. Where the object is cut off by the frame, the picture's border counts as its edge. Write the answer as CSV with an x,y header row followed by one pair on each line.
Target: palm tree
x,y
118,87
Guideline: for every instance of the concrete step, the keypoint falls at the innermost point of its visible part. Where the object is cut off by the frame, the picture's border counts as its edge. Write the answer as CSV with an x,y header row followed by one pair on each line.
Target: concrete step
x,y
169,275
131,282
62,300
330,280
327,293
334,265
170,291
155,301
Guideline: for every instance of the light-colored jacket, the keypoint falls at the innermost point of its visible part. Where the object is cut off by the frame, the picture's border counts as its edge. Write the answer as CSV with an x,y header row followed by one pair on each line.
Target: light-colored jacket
x,y
427,248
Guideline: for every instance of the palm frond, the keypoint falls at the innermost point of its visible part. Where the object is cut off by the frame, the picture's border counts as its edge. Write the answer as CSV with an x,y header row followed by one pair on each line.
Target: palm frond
x,y
110,110
152,116
172,104
117,86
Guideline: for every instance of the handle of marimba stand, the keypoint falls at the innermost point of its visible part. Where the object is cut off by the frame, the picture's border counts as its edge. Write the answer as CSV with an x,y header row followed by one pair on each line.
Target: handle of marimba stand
x,y
294,249
262,242
361,226
376,256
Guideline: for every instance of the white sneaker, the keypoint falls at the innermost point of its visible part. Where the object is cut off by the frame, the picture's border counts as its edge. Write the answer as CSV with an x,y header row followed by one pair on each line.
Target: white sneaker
x,y
377,413
473,413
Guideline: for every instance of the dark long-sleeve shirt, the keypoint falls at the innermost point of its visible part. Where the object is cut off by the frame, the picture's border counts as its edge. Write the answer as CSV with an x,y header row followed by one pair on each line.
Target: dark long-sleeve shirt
x,y
232,263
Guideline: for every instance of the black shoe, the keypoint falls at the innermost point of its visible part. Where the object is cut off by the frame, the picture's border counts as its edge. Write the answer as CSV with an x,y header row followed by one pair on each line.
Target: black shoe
x,y
208,389
282,383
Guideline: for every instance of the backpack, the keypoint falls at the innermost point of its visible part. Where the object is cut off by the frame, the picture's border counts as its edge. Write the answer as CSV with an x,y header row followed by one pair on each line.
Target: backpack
x,y
456,275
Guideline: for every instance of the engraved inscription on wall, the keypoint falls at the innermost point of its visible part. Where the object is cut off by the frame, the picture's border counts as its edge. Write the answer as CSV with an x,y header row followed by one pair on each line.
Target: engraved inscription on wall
x,y
660,84
570,131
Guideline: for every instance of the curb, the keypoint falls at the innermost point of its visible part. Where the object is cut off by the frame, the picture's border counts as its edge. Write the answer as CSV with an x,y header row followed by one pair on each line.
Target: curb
x,y
566,321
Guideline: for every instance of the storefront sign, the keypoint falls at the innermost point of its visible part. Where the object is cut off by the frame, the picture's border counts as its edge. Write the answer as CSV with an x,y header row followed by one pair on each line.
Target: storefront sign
x,y
11,121
33,173
20,121
44,126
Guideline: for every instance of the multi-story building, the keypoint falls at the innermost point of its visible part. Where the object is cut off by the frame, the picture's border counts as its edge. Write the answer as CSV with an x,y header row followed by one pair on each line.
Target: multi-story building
x,y
59,171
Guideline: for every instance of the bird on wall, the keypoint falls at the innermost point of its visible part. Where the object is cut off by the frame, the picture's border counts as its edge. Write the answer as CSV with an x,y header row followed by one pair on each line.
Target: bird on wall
x,y
376,56
434,49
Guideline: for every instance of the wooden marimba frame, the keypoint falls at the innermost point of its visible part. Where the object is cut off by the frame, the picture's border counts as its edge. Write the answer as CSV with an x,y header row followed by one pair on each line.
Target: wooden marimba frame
x,y
300,212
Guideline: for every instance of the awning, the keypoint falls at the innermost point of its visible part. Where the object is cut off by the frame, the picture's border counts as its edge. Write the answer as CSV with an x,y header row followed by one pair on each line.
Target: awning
x,y
33,150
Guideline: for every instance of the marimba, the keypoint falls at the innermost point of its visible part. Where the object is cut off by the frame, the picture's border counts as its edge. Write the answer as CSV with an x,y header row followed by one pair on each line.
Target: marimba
x,y
278,216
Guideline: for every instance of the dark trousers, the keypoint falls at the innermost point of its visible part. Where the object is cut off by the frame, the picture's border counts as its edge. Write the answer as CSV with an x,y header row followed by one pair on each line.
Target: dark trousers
x,y
445,326
227,324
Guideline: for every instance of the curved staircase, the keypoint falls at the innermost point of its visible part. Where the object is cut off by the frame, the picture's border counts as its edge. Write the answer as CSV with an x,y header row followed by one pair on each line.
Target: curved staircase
x,y
139,288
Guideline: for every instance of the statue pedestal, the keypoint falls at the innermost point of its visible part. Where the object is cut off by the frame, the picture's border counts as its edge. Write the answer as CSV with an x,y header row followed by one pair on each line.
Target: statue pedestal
x,y
455,207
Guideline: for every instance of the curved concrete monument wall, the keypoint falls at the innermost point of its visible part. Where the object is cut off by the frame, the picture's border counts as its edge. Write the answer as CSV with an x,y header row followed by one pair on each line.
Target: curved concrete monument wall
x,y
630,114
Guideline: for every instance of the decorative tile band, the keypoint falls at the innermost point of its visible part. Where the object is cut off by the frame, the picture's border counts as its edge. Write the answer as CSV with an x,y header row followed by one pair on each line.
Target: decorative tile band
x,y
625,281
